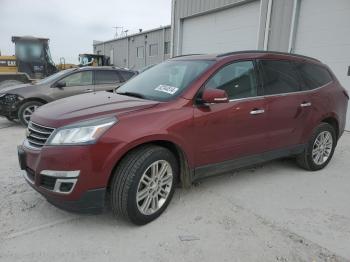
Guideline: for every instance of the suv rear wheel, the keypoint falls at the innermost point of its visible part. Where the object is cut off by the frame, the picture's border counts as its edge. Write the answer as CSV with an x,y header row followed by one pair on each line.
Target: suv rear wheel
x,y
144,183
26,110
320,148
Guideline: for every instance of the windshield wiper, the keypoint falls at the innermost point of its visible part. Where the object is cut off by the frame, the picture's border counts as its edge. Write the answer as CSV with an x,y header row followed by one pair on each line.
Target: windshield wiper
x,y
131,94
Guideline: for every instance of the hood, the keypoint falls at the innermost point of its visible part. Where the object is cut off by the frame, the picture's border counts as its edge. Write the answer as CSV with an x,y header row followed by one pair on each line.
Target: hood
x,y
16,89
83,107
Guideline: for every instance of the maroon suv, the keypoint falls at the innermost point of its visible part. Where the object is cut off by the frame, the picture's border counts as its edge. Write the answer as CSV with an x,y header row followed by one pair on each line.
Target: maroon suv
x,y
182,120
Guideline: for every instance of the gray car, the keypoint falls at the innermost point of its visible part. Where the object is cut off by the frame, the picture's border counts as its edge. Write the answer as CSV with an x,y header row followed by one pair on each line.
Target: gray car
x,y
19,102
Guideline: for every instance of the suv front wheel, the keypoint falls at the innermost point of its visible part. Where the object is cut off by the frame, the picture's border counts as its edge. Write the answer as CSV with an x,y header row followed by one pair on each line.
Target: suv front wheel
x,y
320,148
143,184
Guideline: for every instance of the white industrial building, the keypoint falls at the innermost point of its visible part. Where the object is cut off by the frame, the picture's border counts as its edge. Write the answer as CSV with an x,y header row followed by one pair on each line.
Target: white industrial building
x,y
317,28
137,50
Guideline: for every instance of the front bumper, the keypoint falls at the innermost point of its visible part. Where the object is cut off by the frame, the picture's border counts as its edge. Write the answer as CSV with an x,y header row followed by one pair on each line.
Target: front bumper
x,y
89,190
8,110
9,107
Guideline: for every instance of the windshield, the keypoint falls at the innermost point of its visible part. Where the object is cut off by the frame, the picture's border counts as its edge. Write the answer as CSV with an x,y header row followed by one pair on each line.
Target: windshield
x,y
84,60
54,77
27,51
166,80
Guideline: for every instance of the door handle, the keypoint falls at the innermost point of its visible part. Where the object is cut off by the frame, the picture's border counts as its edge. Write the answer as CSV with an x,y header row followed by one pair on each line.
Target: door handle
x,y
257,111
88,90
305,104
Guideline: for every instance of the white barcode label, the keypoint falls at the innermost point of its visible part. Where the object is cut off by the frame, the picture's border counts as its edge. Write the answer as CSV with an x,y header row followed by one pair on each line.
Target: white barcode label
x,y
167,89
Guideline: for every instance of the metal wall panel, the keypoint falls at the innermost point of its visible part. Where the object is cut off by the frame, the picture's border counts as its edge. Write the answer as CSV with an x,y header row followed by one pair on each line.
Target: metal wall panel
x,y
278,29
125,49
280,25
230,29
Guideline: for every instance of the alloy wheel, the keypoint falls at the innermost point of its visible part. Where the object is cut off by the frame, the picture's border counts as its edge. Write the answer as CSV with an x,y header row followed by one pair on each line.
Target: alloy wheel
x,y
27,113
154,187
322,147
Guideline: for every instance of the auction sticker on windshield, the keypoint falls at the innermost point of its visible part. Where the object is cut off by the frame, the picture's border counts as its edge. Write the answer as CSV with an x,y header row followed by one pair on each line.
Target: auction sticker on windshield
x,y
167,89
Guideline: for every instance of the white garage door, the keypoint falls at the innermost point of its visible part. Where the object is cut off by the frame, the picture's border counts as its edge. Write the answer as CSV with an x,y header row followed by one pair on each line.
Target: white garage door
x,y
324,33
232,29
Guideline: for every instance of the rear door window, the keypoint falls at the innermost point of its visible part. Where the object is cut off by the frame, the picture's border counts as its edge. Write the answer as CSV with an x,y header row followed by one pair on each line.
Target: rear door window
x,y
106,77
279,77
313,76
237,79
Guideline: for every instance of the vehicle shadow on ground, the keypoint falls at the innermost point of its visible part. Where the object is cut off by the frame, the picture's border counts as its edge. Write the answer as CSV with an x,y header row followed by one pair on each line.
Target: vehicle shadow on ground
x,y
4,123
205,186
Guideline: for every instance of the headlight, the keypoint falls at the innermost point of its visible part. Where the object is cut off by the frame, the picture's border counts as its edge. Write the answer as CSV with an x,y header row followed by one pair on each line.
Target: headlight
x,y
11,98
82,132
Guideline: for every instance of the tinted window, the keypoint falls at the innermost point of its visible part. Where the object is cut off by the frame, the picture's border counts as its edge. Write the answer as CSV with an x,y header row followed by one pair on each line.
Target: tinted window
x,y
153,49
79,79
279,77
140,51
237,79
106,77
126,75
55,76
313,76
167,47
165,80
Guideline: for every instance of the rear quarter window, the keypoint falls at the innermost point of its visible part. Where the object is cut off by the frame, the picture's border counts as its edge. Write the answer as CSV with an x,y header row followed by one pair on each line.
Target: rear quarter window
x,y
106,77
279,77
313,76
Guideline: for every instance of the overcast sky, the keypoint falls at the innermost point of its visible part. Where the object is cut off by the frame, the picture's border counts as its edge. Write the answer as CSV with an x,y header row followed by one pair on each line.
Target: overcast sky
x,y
72,25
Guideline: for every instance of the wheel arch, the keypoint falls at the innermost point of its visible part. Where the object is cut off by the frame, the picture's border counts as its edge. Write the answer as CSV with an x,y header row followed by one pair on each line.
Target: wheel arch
x,y
186,172
36,99
333,121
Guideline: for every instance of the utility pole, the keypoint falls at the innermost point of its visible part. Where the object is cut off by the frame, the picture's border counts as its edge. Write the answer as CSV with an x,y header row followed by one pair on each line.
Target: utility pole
x,y
116,30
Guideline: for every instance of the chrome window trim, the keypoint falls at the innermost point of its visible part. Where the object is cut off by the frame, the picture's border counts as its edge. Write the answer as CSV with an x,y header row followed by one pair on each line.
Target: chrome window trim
x,y
281,94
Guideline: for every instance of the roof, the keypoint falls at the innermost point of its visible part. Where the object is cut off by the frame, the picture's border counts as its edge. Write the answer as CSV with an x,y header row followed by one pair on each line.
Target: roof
x,y
29,38
103,68
266,52
132,35
251,53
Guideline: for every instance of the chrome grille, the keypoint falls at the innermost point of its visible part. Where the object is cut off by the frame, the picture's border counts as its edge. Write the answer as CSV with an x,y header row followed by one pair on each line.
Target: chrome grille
x,y
37,135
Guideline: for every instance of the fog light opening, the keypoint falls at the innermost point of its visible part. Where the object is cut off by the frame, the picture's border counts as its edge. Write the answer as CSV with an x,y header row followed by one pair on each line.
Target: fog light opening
x,y
66,187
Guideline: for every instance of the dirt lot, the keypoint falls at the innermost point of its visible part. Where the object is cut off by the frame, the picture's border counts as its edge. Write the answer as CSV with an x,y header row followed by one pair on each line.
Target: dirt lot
x,y
275,212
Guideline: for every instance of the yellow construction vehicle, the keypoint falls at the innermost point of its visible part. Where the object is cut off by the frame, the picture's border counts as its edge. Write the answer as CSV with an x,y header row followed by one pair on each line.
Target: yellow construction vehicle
x,y
93,60
32,61
63,65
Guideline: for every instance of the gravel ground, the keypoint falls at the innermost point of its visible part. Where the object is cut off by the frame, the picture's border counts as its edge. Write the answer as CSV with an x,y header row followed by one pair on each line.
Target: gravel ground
x,y
274,212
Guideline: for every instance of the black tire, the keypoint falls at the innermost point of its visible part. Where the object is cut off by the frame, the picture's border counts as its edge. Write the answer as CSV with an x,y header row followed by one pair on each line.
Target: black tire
x,y
305,159
127,177
22,112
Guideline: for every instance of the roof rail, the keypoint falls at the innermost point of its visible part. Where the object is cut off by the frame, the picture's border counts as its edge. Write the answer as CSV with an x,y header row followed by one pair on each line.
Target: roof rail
x,y
185,55
266,52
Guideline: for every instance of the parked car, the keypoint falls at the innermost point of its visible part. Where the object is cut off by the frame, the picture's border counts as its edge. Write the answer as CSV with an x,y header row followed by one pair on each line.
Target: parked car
x,y
20,101
180,121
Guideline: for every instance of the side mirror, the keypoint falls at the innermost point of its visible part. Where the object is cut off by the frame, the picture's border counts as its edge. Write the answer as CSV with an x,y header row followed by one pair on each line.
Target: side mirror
x,y
60,84
214,96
